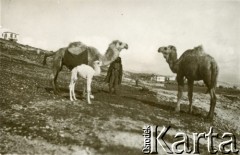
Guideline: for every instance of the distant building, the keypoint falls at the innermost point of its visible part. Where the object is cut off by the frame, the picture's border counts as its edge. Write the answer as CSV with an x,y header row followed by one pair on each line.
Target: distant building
x,y
170,78
158,78
162,78
10,36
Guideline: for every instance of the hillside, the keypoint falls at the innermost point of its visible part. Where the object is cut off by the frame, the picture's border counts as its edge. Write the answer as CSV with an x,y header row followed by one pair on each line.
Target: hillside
x,y
35,121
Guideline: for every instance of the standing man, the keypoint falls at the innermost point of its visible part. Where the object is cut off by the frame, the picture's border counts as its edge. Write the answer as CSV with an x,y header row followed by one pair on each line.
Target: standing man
x,y
114,75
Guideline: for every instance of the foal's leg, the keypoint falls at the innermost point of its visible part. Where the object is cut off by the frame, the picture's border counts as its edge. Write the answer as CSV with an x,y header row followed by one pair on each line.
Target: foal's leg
x,y
84,88
89,82
74,95
91,95
71,90
190,94
84,91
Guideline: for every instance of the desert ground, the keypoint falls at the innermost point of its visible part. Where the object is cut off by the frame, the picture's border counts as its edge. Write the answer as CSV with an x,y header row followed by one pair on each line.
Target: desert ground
x,y
35,121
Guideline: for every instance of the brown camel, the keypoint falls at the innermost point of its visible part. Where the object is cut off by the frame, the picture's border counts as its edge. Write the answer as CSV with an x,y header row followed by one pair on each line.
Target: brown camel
x,y
78,53
194,64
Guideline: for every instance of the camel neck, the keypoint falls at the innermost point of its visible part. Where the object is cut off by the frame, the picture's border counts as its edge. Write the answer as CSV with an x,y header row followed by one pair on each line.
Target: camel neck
x,y
173,66
173,61
97,70
111,54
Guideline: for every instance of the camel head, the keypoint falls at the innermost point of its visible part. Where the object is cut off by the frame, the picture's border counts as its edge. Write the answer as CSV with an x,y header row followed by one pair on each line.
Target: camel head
x,y
119,45
113,51
97,63
169,53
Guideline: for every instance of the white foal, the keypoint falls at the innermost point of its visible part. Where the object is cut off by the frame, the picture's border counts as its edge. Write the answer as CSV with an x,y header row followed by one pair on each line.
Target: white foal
x,y
86,72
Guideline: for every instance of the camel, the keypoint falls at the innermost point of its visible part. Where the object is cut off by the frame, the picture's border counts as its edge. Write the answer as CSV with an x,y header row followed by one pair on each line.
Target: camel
x,y
85,72
194,65
78,53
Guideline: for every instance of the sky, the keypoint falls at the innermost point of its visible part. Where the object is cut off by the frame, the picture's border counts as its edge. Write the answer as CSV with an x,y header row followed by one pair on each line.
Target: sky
x,y
144,24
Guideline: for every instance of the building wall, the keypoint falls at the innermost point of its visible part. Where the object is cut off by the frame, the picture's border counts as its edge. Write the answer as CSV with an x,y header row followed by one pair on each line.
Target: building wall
x,y
9,36
159,78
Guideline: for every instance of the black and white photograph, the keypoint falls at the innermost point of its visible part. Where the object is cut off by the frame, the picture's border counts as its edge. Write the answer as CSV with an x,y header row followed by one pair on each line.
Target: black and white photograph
x,y
119,77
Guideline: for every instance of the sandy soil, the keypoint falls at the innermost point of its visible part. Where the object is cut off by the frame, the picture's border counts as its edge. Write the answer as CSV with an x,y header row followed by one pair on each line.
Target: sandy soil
x,y
34,121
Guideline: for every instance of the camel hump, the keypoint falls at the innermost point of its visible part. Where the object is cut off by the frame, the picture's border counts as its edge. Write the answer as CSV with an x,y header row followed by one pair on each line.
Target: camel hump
x,y
76,48
199,48
93,54
196,51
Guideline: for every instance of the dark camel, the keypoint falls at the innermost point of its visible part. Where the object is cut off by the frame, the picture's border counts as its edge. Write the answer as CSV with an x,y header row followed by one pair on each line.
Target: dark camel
x,y
194,64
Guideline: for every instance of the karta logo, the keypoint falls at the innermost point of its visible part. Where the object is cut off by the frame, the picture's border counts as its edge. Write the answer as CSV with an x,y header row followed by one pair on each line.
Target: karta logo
x,y
153,138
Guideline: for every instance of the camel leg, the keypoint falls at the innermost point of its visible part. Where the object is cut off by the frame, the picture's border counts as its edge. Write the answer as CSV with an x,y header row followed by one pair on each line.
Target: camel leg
x,y
57,87
84,89
190,94
54,76
73,90
91,96
180,92
70,95
213,98
212,103
179,97
57,66
89,81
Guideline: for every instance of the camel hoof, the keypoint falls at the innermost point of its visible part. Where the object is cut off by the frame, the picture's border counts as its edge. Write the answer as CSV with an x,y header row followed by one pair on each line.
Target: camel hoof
x,y
190,111
209,118
91,96
177,109
56,93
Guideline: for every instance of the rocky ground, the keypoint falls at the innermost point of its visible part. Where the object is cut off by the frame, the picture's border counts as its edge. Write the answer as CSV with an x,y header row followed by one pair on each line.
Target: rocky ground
x,y
35,121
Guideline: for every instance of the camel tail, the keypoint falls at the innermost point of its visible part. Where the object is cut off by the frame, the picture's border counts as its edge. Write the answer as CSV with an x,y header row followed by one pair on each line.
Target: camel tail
x,y
46,55
214,75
